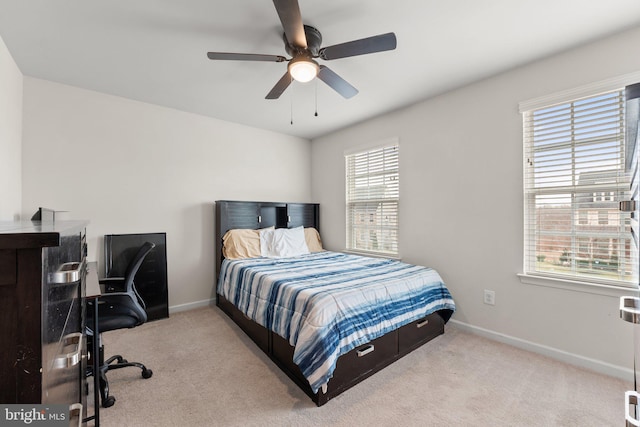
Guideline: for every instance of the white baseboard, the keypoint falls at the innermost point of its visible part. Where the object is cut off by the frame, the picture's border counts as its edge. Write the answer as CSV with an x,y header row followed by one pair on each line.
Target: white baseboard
x,y
192,305
573,359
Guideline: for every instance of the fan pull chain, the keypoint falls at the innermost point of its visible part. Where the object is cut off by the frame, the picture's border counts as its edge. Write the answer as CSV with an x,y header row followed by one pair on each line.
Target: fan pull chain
x,y
316,114
291,98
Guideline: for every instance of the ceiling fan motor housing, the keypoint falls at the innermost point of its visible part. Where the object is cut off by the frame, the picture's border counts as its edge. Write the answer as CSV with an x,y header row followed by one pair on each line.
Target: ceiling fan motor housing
x,y
314,40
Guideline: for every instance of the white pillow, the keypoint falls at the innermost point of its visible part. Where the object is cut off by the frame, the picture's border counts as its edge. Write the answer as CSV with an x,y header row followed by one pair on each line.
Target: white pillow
x,y
283,242
266,239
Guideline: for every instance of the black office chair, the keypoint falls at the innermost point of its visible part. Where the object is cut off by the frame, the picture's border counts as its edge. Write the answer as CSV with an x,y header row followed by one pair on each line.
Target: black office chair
x,y
119,306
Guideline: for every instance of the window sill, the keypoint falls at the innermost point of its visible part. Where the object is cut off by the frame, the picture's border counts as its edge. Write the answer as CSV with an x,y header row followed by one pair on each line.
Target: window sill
x,y
577,286
372,254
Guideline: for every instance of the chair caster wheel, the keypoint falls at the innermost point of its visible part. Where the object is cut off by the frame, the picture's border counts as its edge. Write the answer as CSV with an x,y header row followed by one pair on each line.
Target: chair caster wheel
x,y
109,401
147,373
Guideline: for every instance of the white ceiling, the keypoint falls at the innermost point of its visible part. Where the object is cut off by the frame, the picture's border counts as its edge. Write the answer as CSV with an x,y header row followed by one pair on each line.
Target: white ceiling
x,y
155,50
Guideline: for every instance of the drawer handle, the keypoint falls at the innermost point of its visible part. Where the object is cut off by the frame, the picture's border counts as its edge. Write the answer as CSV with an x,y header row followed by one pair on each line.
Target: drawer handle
x,y
75,410
631,398
72,358
68,272
369,349
425,322
629,309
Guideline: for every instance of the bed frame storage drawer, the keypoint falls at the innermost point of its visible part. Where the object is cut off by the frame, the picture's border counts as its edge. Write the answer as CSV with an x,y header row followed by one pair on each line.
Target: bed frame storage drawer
x,y
282,354
363,360
258,333
416,333
351,367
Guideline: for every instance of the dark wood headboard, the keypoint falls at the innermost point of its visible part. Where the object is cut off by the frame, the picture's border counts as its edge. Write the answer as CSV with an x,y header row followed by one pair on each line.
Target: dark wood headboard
x,y
232,214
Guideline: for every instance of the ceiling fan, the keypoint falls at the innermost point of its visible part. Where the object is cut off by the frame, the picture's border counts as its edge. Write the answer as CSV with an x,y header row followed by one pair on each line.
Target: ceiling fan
x,y
303,43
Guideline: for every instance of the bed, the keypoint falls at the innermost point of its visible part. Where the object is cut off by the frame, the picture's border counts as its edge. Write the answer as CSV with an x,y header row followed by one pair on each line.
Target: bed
x,y
327,319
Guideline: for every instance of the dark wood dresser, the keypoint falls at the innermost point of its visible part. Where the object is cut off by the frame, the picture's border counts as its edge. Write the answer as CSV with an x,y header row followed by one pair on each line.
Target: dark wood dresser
x,y
42,288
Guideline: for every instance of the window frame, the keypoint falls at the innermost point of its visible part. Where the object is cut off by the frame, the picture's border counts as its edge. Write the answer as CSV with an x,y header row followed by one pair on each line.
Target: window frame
x,y
533,275
389,203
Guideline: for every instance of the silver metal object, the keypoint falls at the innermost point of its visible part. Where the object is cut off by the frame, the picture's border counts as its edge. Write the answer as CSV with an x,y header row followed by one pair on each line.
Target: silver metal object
x,y
631,398
68,272
72,358
628,206
369,349
630,309
425,322
75,410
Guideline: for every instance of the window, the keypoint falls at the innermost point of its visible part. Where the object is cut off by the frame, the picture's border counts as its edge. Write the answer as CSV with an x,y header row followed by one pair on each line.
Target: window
x,y
574,178
372,199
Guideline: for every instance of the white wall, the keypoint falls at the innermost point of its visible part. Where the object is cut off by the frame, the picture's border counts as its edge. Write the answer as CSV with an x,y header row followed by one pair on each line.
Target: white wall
x,y
130,167
10,136
462,205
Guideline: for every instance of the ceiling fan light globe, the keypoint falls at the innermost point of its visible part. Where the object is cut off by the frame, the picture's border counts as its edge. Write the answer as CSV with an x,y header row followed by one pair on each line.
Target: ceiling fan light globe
x,y
303,70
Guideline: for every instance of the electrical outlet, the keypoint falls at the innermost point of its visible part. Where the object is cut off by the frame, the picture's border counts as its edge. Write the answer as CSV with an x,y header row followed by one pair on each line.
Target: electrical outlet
x,y
489,297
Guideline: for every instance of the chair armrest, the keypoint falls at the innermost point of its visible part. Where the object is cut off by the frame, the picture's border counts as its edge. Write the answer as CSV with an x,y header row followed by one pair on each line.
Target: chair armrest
x,y
112,284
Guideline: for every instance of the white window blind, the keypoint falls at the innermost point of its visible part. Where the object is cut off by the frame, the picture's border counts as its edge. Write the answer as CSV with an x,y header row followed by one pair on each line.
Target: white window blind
x,y
574,178
373,194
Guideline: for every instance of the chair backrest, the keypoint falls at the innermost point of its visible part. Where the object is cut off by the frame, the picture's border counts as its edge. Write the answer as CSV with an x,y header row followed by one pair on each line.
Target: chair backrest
x,y
133,268
123,309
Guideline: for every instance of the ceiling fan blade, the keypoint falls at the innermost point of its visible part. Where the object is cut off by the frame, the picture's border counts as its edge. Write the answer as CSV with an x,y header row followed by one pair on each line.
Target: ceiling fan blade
x,y
245,57
282,84
373,44
336,82
291,19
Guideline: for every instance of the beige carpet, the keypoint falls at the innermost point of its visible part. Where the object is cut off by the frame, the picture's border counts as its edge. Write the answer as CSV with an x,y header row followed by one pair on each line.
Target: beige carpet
x,y
208,373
